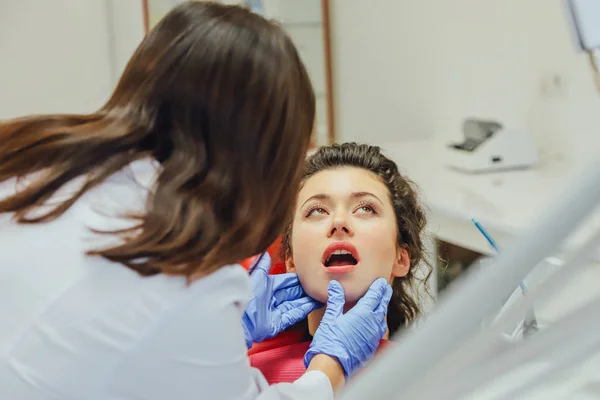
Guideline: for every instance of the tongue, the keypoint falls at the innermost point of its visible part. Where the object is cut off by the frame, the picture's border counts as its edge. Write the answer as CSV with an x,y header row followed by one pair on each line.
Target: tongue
x,y
339,263
339,260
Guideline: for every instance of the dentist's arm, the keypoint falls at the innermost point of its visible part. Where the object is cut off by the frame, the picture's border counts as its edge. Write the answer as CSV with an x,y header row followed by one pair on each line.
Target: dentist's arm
x,y
330,367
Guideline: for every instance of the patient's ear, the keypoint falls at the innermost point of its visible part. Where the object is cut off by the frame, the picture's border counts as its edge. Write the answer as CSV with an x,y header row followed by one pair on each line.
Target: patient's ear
x,y
402,262
289,265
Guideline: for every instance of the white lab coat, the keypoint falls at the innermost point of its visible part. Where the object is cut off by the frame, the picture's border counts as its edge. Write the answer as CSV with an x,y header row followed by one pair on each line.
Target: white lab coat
x,y
74,327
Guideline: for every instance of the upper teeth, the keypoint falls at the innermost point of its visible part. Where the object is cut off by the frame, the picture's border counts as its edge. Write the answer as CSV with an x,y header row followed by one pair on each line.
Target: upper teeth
x,y
339,252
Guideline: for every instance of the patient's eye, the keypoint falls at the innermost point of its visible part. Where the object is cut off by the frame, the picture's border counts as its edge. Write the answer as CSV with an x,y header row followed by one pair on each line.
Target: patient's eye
x,y
317,209
365,208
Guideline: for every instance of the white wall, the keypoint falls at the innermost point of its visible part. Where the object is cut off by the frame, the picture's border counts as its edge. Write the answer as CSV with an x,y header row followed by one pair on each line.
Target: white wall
x,y
126,31
402,68
63,55
405,69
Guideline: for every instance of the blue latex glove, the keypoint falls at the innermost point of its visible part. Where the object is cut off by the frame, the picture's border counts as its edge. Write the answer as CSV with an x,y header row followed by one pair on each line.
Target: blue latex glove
x,y
352,338
278,302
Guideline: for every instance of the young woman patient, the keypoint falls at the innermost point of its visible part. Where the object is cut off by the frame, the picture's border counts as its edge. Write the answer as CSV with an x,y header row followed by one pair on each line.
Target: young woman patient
x,y
357,219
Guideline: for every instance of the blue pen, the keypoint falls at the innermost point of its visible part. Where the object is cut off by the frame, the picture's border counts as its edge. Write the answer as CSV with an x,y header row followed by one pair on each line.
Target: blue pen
x,y
492,243
485,234
530,325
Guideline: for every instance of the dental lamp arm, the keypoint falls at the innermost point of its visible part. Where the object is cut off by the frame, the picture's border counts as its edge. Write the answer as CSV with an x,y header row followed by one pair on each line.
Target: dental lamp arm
x,y
585,20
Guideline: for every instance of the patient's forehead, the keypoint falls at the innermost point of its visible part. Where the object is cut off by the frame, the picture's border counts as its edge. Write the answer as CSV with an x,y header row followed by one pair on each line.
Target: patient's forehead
x,y
342,182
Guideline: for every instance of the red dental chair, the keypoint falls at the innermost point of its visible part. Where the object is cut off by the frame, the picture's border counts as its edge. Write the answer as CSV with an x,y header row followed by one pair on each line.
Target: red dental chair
x,y
277,264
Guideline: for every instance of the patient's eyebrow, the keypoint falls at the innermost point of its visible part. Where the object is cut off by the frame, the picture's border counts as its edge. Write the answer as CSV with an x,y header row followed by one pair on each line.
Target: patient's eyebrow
x,y
354,195
320,196
358,195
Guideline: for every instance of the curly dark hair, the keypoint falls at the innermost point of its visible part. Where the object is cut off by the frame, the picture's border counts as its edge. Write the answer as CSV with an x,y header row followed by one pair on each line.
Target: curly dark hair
x,y
410,218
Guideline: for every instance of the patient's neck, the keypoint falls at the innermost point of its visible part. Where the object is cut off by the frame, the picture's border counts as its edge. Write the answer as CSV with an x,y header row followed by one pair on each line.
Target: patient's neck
x,y
315,317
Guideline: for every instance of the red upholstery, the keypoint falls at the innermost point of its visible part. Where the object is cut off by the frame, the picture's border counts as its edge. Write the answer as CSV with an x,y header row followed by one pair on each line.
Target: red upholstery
x,y
286,363
283,339
282,364
277,264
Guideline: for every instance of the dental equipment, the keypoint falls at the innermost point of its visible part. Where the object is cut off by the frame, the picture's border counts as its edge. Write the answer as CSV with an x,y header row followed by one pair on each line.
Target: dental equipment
x,y
530,324
487,146
568,269
408,364
555,337
584,16
409,369
492,243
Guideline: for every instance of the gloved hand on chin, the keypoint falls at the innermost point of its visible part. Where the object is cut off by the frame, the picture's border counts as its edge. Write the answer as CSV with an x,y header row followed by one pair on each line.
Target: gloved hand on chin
x,y
277,302
351,338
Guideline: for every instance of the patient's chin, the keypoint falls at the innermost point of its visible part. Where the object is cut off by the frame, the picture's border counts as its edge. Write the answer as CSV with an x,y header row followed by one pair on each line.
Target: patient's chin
x,y
318,294
353,297
351,293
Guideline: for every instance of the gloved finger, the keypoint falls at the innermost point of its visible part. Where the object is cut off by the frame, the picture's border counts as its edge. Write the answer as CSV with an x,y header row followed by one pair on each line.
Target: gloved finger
x,y
262,264
383,308
298,311
283,281
372,299
288,294
291,305
335,300
385,301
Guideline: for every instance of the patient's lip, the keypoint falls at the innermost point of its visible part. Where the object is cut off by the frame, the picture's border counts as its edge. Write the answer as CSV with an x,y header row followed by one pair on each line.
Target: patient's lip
x,y
342,269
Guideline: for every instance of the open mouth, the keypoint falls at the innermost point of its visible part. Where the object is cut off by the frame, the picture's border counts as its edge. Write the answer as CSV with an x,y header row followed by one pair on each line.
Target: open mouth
x,y
340,254
340,258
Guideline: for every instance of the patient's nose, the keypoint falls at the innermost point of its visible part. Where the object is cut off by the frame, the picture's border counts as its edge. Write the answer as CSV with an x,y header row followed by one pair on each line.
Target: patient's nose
x,y
340,227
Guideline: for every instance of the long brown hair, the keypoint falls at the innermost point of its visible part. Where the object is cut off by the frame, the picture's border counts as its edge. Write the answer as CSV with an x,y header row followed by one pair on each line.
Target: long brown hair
x,y
219,97
410,219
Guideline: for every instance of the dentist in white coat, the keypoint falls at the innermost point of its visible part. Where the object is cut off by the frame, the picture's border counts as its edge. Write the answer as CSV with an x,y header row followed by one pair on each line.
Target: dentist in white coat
x,y
121,230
